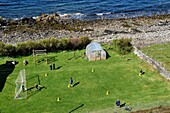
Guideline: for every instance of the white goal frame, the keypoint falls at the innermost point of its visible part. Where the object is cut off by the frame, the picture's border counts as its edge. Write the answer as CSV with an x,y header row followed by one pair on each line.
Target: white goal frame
x,y
21,89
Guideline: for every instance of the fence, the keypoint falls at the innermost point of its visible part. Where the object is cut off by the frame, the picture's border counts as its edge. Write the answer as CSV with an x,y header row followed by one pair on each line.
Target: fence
x,y
153,62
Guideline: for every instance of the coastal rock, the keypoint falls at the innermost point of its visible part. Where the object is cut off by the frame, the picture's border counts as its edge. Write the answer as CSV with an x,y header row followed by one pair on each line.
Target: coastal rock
x,y
84,29
29,21
143,31
108,31
2,22
134,30
48,18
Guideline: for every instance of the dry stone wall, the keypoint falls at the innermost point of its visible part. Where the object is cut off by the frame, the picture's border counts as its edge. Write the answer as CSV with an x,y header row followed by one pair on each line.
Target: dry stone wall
x,y
153,62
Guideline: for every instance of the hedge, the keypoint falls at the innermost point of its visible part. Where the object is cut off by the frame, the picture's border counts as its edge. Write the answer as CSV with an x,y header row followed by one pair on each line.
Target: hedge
x,y
51,45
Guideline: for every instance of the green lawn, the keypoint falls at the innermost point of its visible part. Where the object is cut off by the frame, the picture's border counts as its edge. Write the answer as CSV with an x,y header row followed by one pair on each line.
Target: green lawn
x,y
116,74
160,52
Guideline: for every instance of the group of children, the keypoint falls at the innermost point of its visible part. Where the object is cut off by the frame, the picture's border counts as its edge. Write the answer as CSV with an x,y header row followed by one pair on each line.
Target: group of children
x,y
37,87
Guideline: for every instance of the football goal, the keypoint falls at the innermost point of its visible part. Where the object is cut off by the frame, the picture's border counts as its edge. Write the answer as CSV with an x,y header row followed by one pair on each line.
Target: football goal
x,y
21,89
40,53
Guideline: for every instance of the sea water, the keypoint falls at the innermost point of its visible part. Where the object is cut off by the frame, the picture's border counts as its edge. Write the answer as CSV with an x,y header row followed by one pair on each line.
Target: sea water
x,y
84,9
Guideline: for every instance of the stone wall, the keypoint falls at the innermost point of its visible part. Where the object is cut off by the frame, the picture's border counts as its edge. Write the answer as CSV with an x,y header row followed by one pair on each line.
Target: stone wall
x,y
153,62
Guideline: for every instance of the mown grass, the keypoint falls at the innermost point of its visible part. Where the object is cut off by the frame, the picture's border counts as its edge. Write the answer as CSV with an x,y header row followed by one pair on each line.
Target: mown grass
x,y
160,52
116,74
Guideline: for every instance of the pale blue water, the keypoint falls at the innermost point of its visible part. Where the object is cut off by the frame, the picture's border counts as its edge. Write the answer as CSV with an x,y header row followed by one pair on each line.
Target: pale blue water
x,y
84,9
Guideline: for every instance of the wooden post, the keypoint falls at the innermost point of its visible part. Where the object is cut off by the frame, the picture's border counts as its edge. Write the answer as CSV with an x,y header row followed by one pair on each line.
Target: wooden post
x,y
34,56
95,55
100,54
46,56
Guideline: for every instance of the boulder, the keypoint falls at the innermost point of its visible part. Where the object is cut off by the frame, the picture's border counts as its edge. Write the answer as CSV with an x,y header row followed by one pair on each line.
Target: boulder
x,y
28,21
48,18
2,22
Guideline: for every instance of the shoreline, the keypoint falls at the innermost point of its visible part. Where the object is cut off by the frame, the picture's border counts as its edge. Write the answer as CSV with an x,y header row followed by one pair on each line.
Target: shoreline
x,y
144,30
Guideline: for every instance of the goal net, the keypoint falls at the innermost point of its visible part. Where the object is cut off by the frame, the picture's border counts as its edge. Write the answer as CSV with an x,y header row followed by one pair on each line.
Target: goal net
x,y
20,89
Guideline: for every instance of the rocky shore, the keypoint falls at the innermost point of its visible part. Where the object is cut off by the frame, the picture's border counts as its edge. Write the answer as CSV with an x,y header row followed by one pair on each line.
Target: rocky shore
x,y
143,30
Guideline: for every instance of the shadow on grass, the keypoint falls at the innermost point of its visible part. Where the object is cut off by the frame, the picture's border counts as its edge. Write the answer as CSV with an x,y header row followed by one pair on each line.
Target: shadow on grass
x,y
78,57
5,71
51,59
58,67
74,55
32,93
41,60
35,77
76,84
76,108
107,54
35,88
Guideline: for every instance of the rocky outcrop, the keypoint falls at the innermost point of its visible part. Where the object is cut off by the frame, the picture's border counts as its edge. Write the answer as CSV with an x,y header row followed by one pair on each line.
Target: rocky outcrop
x,y
143,30
2,22
48,18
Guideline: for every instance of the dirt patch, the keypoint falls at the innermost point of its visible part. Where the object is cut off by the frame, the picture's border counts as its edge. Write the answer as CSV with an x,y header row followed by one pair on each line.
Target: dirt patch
x,y
160,109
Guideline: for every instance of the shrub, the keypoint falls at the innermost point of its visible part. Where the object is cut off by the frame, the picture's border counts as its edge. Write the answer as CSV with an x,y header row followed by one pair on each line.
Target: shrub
x,y
9,50
30,45
63,44
45,44
74,43
2,47
84,42
123,46
21,49
54,44
107,46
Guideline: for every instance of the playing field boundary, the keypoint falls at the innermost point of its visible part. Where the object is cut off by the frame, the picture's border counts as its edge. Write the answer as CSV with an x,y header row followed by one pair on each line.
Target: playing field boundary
x,y
152,62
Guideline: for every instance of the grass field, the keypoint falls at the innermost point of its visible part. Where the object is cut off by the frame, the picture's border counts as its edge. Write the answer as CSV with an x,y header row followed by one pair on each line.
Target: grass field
x,y
160,52
116,74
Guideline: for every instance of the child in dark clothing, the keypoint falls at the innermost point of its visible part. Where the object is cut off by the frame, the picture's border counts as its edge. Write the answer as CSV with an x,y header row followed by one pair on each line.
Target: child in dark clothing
x,y
118,102
71,82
